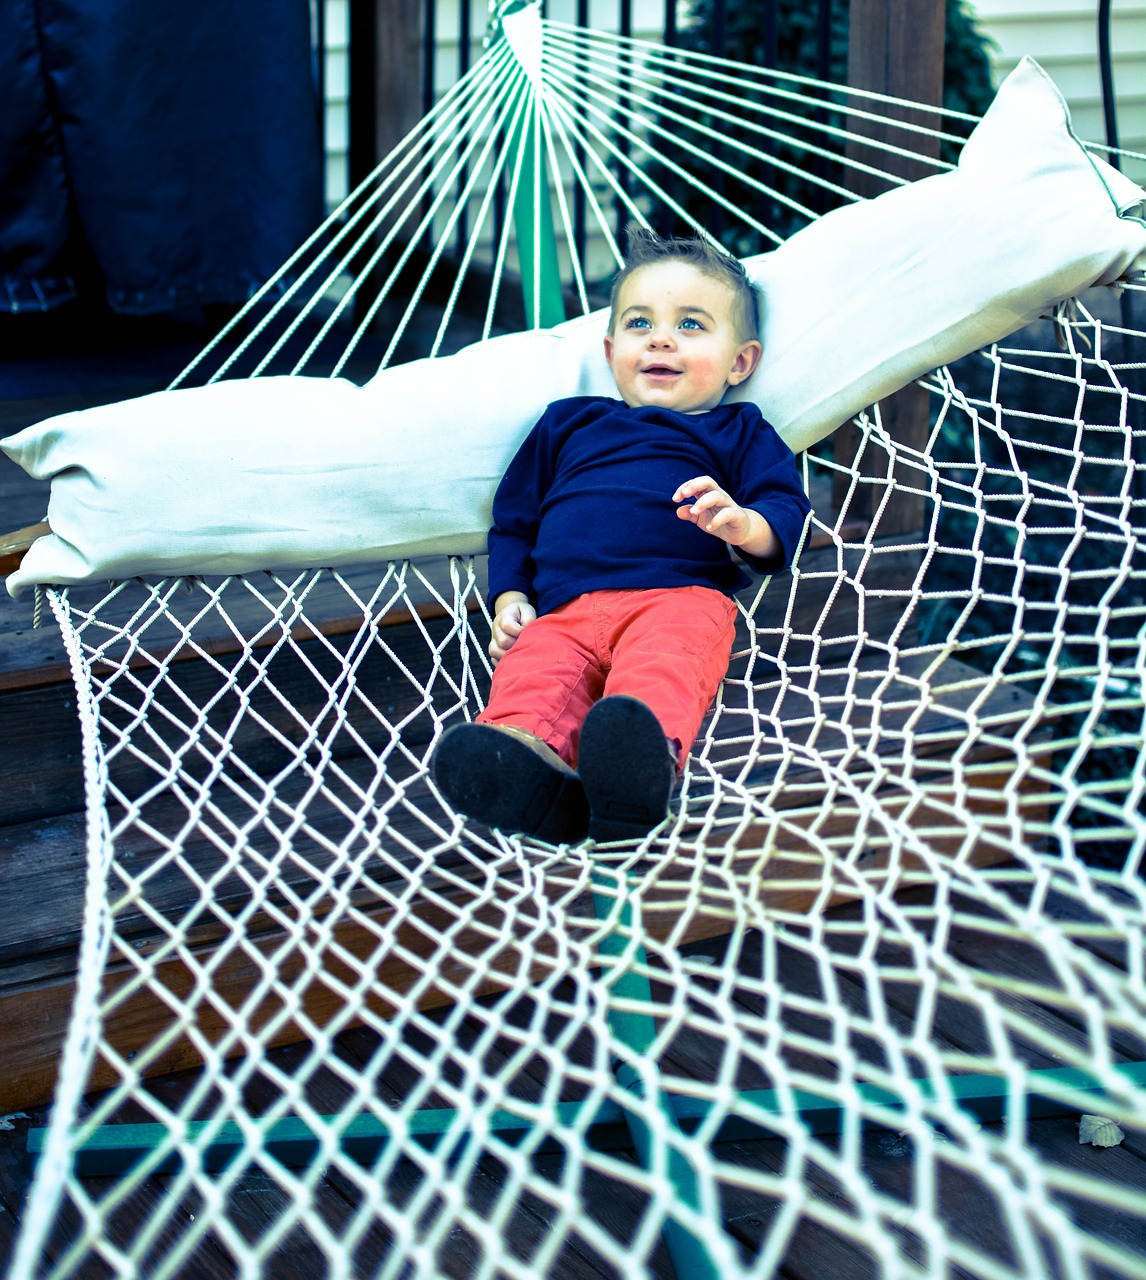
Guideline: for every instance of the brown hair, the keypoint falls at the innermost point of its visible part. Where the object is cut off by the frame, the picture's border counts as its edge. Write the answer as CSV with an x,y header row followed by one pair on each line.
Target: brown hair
x,y
645,246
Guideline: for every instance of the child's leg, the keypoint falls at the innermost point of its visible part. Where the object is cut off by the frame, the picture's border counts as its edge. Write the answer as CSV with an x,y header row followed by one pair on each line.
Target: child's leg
x,y
670,649
549,679
512,768
667,653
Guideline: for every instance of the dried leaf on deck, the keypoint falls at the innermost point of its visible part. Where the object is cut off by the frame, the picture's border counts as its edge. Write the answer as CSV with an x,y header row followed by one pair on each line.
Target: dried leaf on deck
x,y
1099,1131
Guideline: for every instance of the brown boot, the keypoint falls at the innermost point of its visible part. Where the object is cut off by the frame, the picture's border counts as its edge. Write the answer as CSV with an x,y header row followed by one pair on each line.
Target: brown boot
x,y
510,779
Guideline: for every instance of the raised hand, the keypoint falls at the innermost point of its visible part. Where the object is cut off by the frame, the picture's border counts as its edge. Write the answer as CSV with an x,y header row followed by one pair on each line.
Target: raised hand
x,y
710,508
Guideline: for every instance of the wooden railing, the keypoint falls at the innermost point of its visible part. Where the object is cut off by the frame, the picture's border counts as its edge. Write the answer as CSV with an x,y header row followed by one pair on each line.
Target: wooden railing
x,y
14,545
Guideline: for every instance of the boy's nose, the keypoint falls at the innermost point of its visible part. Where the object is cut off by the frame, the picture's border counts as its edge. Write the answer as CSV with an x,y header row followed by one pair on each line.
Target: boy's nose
x,y
661,338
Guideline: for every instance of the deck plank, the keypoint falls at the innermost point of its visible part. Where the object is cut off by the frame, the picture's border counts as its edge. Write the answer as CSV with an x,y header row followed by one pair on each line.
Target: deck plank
x,y
749,1215
969,1211
813,1251
613,1205
1006,958
40,856
1055,1140
13,1183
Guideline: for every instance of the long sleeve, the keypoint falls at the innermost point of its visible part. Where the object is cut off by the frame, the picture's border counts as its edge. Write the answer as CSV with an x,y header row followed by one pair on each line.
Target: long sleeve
x,y
517,514
771,485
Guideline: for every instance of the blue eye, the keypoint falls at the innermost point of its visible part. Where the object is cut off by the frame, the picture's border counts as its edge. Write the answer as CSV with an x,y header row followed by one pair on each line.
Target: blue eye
x,y
636,322
691,322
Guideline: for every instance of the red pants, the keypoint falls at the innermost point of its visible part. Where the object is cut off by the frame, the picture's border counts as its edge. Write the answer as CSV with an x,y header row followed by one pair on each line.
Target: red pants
x,y
669,648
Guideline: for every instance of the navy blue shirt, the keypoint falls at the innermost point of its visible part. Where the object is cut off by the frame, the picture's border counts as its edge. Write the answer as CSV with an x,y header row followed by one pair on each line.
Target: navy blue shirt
x,y
586,504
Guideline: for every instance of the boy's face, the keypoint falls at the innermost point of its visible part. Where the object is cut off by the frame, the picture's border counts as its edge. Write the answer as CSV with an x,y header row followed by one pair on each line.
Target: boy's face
x,y
675,343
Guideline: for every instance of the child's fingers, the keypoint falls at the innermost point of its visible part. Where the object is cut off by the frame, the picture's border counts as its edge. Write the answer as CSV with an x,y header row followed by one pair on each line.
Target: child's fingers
x,y
719,522
725,517
714,498
705,509
691,488
507,626
500,640
503,640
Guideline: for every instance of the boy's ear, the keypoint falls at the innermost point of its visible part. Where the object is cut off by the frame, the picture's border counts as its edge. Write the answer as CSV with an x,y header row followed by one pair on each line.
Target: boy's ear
x,y
747,358
609,347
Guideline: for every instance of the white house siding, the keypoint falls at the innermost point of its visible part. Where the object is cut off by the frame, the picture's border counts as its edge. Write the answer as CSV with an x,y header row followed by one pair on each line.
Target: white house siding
x,y
1063,36
336,70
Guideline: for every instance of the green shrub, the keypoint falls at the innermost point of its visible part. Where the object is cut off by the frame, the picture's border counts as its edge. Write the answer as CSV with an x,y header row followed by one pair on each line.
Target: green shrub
x,y
967,87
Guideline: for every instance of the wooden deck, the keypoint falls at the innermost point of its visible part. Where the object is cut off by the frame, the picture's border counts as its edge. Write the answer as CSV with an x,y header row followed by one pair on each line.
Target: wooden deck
x,y
41,866
967,1209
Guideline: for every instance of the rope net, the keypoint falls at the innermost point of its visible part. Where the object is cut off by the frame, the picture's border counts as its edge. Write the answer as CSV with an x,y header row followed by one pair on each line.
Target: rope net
x,y
325,1026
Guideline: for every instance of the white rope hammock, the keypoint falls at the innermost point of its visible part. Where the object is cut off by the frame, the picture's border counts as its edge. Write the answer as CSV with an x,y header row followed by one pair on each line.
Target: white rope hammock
x,y
900,897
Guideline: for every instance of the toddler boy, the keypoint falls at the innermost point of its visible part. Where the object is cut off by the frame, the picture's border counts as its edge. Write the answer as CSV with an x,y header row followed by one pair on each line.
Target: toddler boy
x,y
609,561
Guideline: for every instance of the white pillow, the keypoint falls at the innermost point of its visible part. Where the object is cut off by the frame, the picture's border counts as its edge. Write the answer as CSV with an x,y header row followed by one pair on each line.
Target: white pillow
x,y
875,294
291,472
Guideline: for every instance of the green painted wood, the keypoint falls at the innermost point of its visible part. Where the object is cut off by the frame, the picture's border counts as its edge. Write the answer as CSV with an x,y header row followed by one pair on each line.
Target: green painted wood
x,y
533,226
110,1150
637,1030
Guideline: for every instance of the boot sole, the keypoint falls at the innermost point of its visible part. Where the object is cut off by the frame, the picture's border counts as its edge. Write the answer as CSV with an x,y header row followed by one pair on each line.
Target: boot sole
x,y
625,768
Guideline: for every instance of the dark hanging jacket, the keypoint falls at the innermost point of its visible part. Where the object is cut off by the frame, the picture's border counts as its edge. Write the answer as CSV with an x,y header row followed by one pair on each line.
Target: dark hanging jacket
x,y
169,151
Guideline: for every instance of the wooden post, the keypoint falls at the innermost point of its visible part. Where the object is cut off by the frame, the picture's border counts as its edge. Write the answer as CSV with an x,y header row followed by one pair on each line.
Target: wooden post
x,y
385,78
386,74
895,47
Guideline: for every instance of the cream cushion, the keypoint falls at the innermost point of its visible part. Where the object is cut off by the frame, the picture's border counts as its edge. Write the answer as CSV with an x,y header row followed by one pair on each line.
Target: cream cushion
x,y
278,473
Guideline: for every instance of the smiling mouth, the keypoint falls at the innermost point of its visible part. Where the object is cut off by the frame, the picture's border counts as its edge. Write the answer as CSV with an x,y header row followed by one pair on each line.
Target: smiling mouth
x,y
660,371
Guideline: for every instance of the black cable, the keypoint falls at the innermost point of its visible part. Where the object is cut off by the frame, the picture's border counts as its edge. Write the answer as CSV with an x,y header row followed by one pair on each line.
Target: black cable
x,y
1106,74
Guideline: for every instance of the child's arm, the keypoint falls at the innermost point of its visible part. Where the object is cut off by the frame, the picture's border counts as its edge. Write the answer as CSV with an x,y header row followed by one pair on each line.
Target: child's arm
x,y
513,535
714,511
512,613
